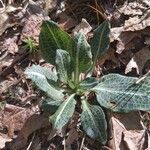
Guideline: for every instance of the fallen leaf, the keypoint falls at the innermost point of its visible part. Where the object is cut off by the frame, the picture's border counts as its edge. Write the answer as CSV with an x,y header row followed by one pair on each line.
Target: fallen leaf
x,y
138,14
138,61
132,64
127,130
3,139
66,22
134,140
14,117
33,123
11,45
49,5
5,19
73,134
84,27
32,27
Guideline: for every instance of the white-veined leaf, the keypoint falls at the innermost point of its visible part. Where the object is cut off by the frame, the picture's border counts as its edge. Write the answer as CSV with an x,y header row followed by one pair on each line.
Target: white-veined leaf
x,y
100,40
40,76
122,94
64,66
94,122
63,113
52,38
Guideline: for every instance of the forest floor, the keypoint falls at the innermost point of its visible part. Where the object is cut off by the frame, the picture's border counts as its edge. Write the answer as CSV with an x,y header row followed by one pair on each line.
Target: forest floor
x,y
22,123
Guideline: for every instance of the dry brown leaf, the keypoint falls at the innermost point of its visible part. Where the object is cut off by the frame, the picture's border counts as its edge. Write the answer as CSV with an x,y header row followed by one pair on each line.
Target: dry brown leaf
x,y
66,22
138,13
84,27
115,33
134,140
138,61
32,27
6,60
122,125
73,134
32,124
5,20
124,39
3,139
5,84
11,45
49,5
136,23
14,117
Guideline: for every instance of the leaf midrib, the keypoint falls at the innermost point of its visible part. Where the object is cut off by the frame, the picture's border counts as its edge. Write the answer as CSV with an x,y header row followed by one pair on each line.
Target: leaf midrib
x,y
53,36
119,92
63,108
100,40
91,116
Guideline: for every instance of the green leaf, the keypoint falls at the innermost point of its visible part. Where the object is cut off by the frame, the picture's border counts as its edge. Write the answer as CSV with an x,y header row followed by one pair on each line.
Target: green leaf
x,y
94,122
63,113
100,40
50,106
83,60
122,94
89,83
50,74
71,84
40,76
63,63
52,38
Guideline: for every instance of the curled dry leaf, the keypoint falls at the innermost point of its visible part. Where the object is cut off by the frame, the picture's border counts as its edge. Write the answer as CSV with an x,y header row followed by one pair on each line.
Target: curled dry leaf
x,y
138,61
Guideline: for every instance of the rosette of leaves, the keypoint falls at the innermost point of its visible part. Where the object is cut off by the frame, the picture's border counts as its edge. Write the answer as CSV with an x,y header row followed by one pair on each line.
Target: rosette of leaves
x,y
72,56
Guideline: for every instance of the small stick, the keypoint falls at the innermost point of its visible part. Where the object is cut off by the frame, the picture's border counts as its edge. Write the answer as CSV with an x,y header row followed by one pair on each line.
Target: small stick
x,y
82,143
142,78
29,146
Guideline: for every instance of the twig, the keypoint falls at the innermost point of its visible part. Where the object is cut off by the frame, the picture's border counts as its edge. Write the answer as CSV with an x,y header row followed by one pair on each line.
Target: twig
x,y
82,143
64,143
103,15
29,146
142,78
